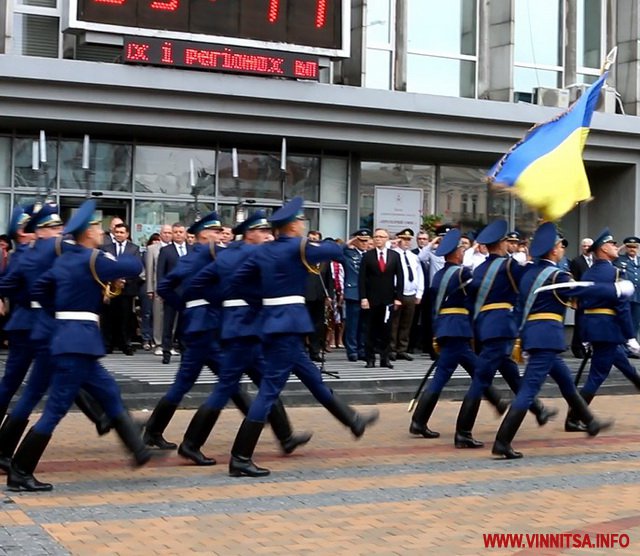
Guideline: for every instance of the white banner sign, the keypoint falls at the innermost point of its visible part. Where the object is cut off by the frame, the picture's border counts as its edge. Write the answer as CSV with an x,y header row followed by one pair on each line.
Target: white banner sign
x,y
397,208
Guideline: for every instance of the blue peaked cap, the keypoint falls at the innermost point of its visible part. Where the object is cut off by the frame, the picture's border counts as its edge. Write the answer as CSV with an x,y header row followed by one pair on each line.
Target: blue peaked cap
x,y
604,237
257,220
545,239
494,232
19,218
84,217
211,220
450,242
43,216
288,213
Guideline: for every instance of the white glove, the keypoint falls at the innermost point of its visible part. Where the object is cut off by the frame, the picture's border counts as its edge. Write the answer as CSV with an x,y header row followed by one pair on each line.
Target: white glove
x,y
633,346
625,288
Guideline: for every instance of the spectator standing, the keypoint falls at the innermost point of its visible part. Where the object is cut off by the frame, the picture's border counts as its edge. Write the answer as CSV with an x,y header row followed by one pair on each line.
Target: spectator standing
x,y
630,264
151,273
146,303
578,266
354,338
317,296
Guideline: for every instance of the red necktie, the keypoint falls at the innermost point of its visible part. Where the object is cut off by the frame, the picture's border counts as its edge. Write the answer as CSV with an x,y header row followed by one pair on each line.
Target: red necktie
x,y
381,262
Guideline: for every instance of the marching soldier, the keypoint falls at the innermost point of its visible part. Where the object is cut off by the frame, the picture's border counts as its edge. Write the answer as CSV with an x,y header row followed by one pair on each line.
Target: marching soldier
x,y
73,290
240,343
543,338
495,289
278,269
45,222
452,330
606,324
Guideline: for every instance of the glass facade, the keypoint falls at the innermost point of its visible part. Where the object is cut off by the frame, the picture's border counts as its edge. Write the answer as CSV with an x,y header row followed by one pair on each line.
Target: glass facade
x,y
379,47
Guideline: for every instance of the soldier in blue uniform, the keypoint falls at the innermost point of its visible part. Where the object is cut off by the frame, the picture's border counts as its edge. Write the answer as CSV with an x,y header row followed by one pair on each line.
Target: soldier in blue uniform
x,y
279,269
629,263
35,261
495,290
72,292
606,324
240,342
543,338
199,321
452,329
18,328
355,333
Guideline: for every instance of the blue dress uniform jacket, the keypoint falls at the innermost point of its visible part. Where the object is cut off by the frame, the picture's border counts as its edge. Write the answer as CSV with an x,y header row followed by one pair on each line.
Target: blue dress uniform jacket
x,y
352,261
175,289
600,327
238,320
281,273
454,325
631,271
69,286
498,322
21,317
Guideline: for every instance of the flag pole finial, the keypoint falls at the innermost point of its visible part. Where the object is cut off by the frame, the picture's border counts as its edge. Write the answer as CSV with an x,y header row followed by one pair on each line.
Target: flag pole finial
x,y
609,59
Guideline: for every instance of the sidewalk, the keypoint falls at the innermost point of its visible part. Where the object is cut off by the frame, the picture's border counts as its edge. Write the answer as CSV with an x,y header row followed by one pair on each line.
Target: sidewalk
x,y
388,493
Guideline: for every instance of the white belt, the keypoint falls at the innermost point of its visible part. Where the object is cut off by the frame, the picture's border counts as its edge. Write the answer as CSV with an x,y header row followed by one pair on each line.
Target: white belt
x,y
196,303
77,315
285,300
35,305
235,303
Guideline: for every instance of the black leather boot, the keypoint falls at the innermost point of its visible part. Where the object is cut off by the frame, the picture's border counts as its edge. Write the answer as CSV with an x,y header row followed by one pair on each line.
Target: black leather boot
x,y
242,400
198,431
579,404
357,422
10,434
422,413
464,424
130,434
507,432
25,461
157,423
94,412
281,427
493,397
543,414
242,451
572,423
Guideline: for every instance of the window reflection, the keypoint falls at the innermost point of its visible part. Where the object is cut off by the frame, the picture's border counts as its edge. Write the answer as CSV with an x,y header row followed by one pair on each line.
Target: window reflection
x,y
462,196
167,170
589,33
377,69
25,175
334,180
535,19
378,22
151,215
526,79
334,224
109,166
451,30
441,76
5,162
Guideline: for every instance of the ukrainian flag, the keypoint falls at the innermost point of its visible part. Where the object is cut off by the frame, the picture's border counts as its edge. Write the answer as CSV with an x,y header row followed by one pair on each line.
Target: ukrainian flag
x,y
545,168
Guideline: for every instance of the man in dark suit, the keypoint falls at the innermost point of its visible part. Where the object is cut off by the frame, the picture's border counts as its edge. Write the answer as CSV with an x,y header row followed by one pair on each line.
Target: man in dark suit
x,y
109,235
118,314
578,267
380,286
167,260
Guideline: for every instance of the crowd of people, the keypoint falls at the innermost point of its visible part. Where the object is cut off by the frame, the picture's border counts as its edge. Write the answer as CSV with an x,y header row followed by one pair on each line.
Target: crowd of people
x,y
267,299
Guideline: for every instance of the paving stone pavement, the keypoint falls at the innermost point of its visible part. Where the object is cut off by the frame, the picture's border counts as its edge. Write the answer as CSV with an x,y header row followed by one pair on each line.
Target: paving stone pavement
x,y
388,493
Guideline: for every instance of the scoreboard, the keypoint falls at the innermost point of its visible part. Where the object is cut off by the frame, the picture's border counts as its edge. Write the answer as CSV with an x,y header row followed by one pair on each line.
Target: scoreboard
x,y
317,27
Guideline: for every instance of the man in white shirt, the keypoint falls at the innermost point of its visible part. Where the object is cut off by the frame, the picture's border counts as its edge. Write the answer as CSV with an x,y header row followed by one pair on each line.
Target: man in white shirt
x,y
151,266
428,253
412,293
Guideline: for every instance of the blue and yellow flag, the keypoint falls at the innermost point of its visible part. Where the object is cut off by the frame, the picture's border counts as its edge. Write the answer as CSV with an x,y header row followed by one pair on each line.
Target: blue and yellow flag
x,y
545,168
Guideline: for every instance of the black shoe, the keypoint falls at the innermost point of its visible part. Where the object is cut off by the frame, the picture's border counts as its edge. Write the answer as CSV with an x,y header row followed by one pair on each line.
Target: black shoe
x,y
574,425
18,481
195,455
424,431
239,466
392,356
405,356
596,426
370,364
128,350
500,449
465,440
362,420
156,440
352,358
294,441
166,358
386,363
317,358
545,415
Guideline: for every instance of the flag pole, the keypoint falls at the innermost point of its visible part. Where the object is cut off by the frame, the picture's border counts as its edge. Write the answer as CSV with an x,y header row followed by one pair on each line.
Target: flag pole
x,y
609,60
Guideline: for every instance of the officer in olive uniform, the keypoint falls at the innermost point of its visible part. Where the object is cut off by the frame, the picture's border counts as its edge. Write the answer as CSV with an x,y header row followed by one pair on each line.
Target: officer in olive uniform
x,y
542,333
279,269
355,333
72,293
495,289
606,324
